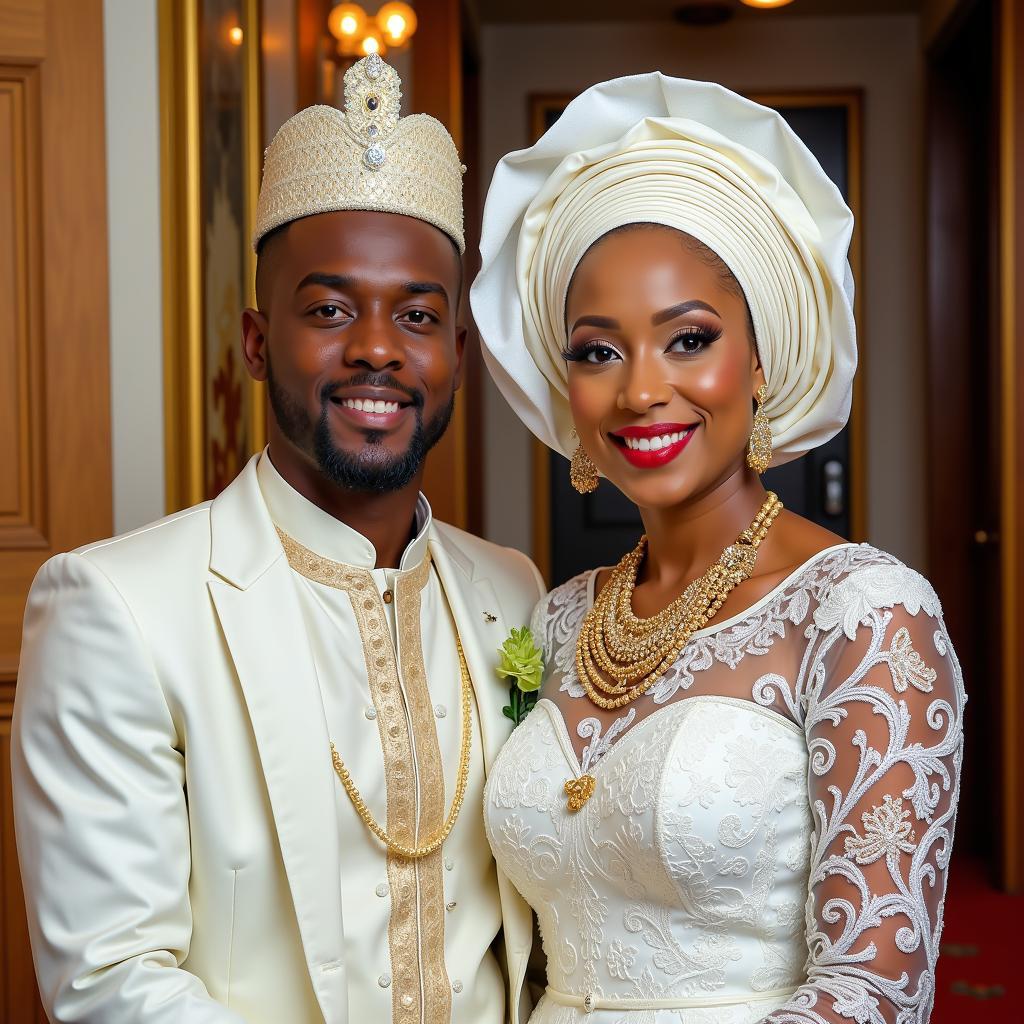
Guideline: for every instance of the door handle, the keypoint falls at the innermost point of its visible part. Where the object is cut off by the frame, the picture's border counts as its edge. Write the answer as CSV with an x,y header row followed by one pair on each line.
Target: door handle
x,y
834,481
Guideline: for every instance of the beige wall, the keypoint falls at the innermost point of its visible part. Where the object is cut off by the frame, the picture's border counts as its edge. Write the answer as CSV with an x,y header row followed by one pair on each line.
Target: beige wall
x,y
133,201
881,55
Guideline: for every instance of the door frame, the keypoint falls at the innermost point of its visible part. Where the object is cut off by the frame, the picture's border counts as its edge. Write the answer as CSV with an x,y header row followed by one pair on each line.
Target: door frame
x,y
950,524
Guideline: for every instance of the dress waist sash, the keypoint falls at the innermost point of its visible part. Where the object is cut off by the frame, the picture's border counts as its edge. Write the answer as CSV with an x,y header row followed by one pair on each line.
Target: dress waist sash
x,y
591,1002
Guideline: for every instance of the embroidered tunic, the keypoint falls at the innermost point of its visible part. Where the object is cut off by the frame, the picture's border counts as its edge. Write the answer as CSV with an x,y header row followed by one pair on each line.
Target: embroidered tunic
x,y
417,933
772,822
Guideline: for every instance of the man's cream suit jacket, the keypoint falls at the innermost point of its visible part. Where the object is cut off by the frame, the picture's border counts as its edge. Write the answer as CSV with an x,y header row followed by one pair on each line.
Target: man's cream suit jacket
x,y
175,806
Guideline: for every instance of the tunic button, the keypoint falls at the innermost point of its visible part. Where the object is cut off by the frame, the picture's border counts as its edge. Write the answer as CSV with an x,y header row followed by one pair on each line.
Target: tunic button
x,y
384,980
448,864
440,710
388,598
456,986
407,1000
450,906
371,713
382,889
588,1003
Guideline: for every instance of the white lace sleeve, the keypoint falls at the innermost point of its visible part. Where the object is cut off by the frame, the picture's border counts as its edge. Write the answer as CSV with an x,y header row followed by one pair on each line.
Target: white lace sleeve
x,y
883,700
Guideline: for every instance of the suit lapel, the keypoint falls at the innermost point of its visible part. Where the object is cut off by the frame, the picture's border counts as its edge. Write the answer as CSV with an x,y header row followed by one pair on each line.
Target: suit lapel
x,y
267,637
474,605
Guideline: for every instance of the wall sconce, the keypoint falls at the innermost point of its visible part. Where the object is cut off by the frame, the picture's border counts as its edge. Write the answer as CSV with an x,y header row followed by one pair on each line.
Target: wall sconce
x,y
764,4
358,35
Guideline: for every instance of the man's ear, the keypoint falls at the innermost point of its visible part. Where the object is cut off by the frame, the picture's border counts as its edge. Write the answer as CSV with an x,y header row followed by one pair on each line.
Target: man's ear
x,y
460,353
254,343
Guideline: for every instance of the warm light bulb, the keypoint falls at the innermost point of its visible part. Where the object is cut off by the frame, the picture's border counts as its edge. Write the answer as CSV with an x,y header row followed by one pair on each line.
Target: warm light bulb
x,y
346,21
398,23
765,4
235,35
372,42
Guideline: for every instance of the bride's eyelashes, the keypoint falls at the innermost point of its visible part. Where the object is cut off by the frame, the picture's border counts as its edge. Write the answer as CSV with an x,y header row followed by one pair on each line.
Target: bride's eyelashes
x,y
689,340
590,352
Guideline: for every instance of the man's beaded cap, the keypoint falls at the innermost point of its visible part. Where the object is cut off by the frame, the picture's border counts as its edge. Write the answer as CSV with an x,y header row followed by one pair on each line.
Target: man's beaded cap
x,y
367,158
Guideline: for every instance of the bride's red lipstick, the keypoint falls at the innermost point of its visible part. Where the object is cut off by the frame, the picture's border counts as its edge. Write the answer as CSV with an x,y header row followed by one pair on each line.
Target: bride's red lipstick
x,y
637,443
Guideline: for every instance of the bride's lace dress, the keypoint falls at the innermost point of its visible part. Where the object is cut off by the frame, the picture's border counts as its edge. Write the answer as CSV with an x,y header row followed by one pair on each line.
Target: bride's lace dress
x,y
771,826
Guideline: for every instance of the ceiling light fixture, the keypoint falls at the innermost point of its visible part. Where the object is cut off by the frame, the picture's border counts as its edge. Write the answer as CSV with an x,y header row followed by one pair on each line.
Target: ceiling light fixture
x,y
766,4
358,35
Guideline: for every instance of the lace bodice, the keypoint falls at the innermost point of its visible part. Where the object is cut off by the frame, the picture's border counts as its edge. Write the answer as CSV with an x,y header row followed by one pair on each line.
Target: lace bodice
x,y
771,824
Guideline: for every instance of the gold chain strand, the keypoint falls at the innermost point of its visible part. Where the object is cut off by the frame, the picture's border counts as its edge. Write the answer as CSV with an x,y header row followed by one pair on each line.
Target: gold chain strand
x,y
619,656
462,780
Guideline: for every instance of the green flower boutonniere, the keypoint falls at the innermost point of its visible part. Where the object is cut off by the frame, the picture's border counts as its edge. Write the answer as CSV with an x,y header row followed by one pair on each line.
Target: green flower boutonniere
x,y
522,662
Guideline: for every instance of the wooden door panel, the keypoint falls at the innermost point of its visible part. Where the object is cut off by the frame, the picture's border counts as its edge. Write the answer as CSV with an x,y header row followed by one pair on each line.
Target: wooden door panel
x,y
22,467
55,473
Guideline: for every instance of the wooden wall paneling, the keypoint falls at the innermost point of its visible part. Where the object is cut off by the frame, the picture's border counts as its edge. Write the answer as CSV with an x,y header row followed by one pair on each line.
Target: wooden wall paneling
x,y
23,509
55,472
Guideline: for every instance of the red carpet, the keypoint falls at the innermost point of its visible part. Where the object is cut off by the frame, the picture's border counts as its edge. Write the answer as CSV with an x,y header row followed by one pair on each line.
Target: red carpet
x,y
981,965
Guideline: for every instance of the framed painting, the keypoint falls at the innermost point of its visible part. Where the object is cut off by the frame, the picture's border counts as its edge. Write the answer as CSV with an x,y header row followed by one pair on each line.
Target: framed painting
x,y
214,415
572,532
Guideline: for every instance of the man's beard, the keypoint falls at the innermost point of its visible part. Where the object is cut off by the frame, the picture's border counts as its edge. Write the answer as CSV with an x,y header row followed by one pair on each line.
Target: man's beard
x,y
373,470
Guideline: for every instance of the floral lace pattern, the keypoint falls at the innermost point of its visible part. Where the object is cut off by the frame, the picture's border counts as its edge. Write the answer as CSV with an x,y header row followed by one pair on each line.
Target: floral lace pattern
x,y
771,824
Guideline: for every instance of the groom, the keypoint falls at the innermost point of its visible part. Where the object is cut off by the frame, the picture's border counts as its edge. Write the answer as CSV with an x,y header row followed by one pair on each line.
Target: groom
x,y
250,740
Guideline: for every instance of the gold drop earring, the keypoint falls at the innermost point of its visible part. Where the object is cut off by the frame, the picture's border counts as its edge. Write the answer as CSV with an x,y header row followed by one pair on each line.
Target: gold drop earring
x,y
759,448
582,471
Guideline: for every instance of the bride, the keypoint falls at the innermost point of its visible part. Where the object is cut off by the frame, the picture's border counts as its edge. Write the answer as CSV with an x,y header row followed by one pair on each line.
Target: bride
x,y
734,801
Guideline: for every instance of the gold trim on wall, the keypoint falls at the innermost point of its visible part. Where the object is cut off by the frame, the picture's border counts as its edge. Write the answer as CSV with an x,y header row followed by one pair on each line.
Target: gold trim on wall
x,y
181,215
540,106
1011,131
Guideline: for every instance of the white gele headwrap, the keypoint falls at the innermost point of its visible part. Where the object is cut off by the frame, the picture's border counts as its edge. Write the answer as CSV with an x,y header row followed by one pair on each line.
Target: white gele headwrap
x,y
367,158
692,156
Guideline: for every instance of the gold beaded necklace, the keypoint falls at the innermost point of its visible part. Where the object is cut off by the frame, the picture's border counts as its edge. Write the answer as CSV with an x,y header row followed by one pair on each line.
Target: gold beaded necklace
x,y
462,780
619,656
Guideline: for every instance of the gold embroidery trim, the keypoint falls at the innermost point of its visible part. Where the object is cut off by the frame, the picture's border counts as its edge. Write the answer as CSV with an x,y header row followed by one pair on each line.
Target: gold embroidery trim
x,y
414,938
437,993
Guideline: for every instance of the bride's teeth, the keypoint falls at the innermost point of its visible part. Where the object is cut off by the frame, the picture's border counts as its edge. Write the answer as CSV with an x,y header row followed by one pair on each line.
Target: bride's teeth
x,y
654,444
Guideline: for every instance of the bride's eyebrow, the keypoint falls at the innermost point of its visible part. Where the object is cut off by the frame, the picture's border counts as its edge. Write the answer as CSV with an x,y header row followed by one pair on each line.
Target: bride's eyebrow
x,y
604,322
679,309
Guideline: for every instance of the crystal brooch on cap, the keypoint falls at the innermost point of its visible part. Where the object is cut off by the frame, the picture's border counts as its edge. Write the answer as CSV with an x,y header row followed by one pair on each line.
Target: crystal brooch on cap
x,y
373,100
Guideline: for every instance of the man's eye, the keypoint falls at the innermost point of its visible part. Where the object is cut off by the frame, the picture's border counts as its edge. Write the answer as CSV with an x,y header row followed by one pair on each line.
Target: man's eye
x,y
328,311
419,316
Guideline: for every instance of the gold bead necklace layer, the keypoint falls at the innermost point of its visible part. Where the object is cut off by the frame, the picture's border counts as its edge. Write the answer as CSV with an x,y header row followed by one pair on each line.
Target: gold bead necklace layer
x,y
619,656
462,780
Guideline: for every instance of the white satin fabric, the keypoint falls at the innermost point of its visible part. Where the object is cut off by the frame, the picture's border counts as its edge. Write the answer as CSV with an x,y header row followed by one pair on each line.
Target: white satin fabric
x,y
176,815
695,157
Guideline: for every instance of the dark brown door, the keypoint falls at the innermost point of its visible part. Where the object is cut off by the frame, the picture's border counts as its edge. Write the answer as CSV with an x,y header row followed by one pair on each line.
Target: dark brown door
x,y
55,478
